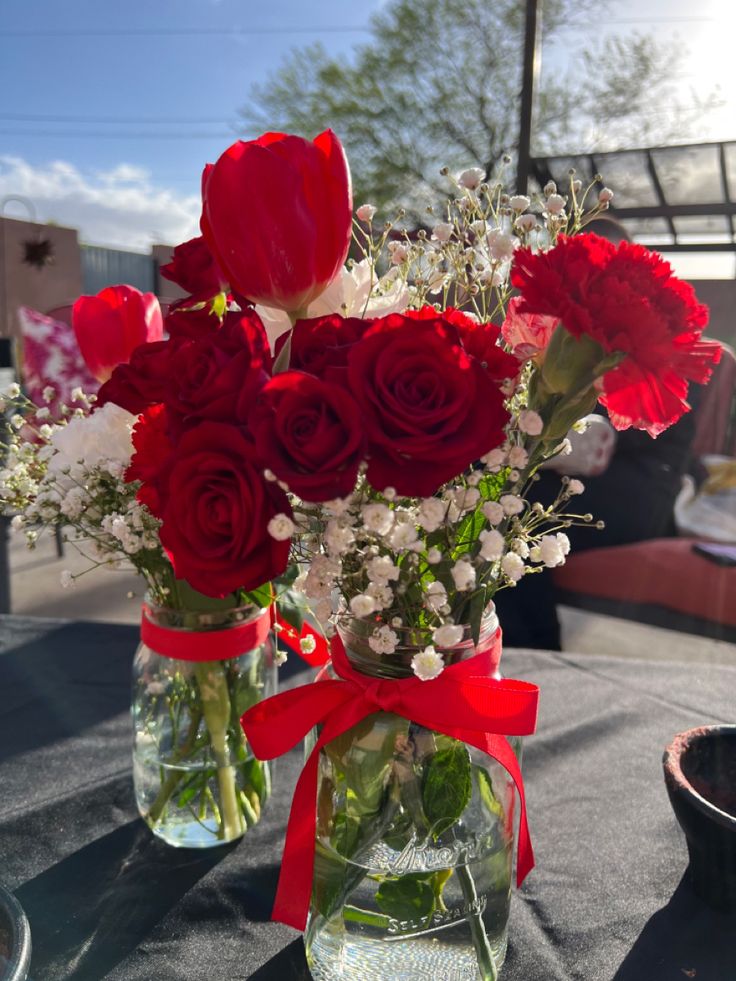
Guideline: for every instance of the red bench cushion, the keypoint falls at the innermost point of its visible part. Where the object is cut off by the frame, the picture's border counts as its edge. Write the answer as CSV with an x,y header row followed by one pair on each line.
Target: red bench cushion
x,y
662,571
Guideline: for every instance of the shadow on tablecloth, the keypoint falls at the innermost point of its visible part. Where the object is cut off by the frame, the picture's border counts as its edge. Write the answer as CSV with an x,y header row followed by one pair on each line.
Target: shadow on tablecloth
x,y
684,939
93,908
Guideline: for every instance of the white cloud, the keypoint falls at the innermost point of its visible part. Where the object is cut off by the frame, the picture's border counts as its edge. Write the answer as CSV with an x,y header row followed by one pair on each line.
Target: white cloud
x,y
120,207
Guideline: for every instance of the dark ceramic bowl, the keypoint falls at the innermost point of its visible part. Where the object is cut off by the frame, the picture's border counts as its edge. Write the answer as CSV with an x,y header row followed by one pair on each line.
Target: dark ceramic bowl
x,y
15,939
700,773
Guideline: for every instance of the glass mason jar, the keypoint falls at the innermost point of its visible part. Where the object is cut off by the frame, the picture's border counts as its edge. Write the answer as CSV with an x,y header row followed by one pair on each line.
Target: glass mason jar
x,y
197,784
415,836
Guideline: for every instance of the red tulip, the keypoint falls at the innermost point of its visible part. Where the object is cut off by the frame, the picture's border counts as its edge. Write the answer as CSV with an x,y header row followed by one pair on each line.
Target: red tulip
x,y
112,324
277,216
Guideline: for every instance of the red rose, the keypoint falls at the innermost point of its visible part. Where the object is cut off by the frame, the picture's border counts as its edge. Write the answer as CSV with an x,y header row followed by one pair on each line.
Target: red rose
x,y
110,325
277,216
322,344
216,512
218,376
429,409
309,433
626,299
193,268
151,458
481,341
143,381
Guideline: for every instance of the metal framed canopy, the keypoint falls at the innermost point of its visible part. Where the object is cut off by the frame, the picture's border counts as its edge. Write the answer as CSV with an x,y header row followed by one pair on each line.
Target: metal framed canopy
x,y
672,198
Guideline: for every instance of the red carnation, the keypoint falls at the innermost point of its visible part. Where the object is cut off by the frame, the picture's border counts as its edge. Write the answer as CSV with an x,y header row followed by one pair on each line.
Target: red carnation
x,y
429,409
151,458
216,511
626,299
309,433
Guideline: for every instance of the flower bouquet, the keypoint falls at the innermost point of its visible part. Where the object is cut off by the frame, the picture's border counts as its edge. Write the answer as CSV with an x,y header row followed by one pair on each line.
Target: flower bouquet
x,y
383,459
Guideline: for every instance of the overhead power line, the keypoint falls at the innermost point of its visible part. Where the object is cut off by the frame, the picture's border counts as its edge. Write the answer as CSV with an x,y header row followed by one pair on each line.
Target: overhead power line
x,y
24,117
181,31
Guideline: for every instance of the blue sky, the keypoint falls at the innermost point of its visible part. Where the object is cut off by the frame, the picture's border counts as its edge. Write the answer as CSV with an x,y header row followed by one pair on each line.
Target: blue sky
x,y
107,114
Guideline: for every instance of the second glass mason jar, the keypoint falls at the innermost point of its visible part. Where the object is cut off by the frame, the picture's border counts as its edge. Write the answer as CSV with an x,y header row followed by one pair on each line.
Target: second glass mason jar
x,y
197,784
415,835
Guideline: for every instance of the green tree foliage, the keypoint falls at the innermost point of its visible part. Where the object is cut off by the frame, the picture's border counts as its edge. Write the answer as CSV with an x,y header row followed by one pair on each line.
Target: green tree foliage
x,y
438,85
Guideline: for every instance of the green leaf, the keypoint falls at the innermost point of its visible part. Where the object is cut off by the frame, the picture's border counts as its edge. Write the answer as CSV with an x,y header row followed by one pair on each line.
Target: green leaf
x,y
485,788
446,787
260,597
411,897
346,833
292,608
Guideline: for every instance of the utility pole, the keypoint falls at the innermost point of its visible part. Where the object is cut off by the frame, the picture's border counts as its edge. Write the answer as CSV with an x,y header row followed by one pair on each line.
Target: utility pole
x,y
530,76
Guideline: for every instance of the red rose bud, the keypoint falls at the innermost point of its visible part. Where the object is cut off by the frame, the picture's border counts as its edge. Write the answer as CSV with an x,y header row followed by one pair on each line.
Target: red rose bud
x,y
193,268
277,216
111,325
310,434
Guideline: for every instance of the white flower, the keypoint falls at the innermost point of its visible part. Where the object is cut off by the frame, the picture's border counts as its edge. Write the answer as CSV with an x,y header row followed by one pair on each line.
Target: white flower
x,y
353,292
564,542
16,421
280,527
321,578
12,391
530,422
555,204
381,593
103,436
16,522
435,596
404,538
575,487
518,457
493,545
338,538
495,459
465,498
519,202
49,394
399,252
427,664
66,579
431,513
501,245
513,566
383,640
365,212
362,605
442,231
494,512
381,569
463,575
448,635
551,550
308,645
377,518
434,556
471,178
280,657
605,195
520,547
512,504
526,223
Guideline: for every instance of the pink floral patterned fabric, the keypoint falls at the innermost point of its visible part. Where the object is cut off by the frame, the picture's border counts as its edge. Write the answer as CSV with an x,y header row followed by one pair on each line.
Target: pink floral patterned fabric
x,y
51,356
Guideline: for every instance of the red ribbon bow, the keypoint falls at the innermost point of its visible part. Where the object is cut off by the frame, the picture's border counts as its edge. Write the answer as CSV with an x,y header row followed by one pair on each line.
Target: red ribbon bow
x,y
463,702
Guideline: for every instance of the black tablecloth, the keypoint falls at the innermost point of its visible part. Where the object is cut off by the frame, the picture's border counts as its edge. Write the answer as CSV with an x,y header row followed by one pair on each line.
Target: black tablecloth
x,y
106,899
